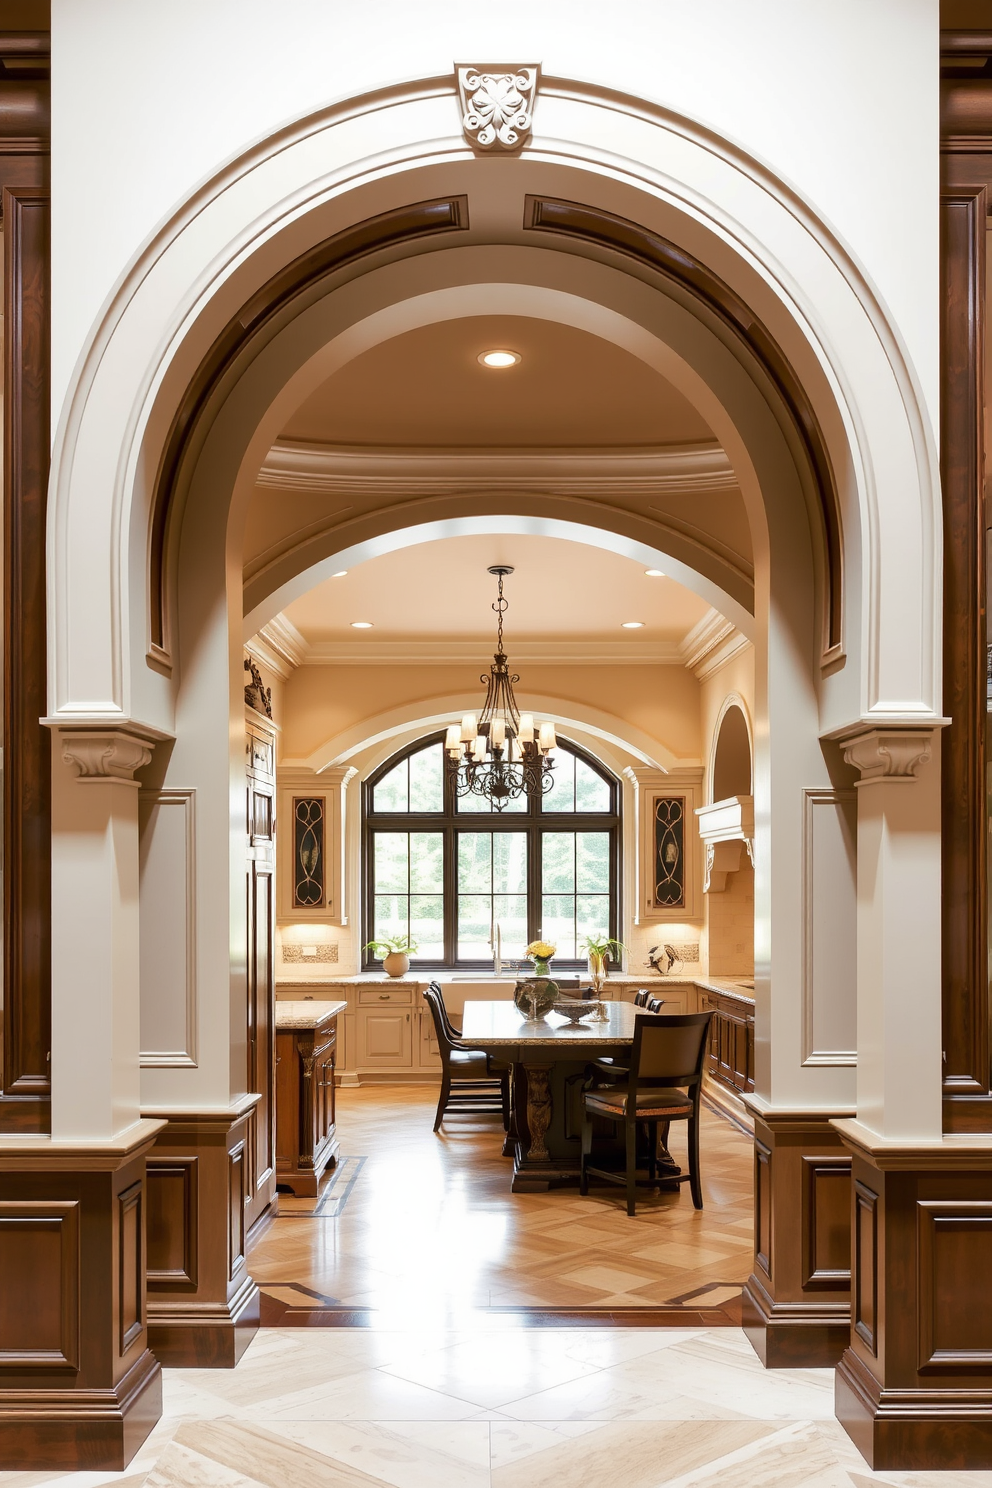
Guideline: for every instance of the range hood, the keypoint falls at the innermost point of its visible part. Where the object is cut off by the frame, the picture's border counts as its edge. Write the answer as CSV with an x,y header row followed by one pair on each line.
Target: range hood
x,y
727,830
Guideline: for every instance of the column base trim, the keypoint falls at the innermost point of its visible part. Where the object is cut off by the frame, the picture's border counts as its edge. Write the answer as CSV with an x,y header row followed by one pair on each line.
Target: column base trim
x,y
908,1430
210,1335
794,1335
92,1430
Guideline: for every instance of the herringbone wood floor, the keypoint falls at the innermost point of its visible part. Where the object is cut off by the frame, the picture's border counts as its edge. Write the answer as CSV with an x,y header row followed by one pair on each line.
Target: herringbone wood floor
x,y
430,1227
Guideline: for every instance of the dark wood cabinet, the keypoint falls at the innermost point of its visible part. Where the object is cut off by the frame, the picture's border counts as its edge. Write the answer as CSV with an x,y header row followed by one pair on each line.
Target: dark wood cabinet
x,y
306,1054
731,1055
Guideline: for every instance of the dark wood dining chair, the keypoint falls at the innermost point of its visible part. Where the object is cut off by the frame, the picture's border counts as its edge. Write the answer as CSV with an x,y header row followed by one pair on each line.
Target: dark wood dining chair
x,y
618,1064
663,1085
470,1080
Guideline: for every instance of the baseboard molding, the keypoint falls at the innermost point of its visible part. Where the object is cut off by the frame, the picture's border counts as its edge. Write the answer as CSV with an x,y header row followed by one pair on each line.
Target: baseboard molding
x,y
211,1335
913,1430
96,1430
794,1335
727,1103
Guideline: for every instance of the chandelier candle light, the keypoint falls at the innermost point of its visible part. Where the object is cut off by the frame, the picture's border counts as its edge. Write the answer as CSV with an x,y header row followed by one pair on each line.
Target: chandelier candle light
x,y
502,754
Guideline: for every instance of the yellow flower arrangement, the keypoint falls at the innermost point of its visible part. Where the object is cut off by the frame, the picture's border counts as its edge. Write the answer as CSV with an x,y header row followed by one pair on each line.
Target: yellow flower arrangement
x,y
541,950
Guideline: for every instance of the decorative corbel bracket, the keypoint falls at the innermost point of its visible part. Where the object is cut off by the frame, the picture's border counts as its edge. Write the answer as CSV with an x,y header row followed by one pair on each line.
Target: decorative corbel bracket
x,y
891,754
106,756
497,104
725,827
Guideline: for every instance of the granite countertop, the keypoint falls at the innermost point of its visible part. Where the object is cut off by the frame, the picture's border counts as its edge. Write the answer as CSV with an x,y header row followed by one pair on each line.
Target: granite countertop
x,y
485,1023
305,1014
728,986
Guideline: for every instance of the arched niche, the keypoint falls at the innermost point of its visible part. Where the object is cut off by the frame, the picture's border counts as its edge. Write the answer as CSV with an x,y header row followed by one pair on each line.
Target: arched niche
x,y
732,773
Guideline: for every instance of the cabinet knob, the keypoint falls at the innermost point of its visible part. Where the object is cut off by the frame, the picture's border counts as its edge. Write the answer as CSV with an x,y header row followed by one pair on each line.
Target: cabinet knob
x,y
383,996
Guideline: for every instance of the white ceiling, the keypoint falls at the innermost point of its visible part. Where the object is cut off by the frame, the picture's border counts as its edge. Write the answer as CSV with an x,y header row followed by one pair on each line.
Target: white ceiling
x,y
441,591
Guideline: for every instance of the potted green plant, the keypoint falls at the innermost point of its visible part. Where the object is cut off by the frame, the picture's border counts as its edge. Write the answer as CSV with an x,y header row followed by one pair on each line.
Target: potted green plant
x,y
600,949
394,952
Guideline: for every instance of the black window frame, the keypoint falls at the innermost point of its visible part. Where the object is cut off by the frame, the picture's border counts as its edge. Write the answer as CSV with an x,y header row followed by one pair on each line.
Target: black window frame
x,y
533,822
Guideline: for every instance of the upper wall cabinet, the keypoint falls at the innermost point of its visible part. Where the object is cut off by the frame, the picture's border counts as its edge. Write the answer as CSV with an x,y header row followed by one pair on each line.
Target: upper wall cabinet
x,y
312,835
668,869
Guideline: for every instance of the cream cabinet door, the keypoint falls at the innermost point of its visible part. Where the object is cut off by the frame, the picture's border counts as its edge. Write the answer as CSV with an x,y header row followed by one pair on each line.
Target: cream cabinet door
x,y
385,1038
428,1053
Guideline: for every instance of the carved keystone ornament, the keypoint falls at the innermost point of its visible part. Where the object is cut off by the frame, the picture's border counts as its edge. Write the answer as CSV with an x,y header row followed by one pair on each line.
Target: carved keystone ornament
x,y
497,104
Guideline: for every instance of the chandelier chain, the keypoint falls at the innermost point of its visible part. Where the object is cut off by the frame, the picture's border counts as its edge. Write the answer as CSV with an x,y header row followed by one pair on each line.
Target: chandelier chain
x,y
500,605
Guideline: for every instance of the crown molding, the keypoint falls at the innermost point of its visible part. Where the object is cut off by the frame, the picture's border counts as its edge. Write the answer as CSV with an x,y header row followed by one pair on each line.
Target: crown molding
x,y
475,653
710,644
340,470
279,647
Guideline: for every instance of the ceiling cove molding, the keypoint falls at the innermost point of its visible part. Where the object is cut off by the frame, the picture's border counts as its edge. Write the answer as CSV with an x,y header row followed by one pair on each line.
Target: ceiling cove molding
x,y
710,644
279,646
473,653
343,470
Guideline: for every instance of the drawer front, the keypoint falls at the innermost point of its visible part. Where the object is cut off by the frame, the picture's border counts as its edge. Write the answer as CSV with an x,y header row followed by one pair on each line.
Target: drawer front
x,y
385,996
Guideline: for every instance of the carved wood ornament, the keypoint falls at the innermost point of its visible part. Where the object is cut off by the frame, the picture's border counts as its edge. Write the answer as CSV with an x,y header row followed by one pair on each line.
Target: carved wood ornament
x,y
497,104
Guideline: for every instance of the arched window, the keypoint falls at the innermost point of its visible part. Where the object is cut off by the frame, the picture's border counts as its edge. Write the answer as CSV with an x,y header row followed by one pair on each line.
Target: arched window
x,y
446,870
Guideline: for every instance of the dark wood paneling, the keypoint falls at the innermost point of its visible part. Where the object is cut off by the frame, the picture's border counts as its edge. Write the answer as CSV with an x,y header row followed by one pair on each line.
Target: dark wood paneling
x,y
131,1278
864,1297
955,1302
763,1207
202,1303
25,1079
964,899
39,1307
797,1301
914,1389
826,1222
402,225
672,261
86,1390
237,1200
173,1195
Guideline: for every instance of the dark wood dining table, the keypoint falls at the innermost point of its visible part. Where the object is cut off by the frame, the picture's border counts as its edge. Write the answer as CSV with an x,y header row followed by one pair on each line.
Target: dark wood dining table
x,y
548,1059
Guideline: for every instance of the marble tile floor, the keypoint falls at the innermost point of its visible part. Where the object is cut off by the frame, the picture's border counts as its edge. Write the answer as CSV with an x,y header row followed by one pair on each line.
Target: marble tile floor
x,y
499,1406
430,1227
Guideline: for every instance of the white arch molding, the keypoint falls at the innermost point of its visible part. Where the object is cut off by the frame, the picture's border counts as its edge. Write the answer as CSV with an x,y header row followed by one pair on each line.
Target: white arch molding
x,y
294,189
433,713
732,700
366,157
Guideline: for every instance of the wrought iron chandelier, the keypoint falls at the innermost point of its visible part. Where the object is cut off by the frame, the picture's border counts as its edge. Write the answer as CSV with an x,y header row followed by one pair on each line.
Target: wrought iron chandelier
x,y
501,755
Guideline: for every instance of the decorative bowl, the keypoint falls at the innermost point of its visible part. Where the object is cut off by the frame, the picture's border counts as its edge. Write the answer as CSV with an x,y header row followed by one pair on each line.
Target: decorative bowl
x,y
574,1011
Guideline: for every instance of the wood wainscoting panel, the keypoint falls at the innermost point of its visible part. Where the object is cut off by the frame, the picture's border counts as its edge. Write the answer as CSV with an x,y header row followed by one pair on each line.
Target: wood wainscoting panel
x,y
39,1318
955,1262
203,1305
131,1280
826,1229
25,1085
763,1206
797,1302
173,1195
865,1291
914,1387
79,1387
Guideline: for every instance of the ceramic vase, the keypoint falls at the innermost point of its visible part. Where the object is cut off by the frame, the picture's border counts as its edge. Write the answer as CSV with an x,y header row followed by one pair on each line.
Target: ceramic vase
x,y
396,964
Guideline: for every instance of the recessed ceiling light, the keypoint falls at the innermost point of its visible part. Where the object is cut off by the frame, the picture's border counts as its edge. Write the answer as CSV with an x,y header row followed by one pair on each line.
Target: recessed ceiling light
x,y
499,358
632,624
654,573
361,624
340,574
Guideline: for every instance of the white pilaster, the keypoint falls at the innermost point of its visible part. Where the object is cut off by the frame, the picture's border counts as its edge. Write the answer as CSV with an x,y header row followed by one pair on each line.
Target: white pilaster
x,y
95,1008
899,887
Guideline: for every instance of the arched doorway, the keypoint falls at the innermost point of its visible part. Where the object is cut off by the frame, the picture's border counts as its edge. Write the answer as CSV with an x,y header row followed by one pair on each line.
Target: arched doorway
x,y
828,446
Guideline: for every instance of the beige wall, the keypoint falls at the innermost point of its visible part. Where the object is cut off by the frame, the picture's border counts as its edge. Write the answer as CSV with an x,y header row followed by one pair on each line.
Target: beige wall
x,y
323,702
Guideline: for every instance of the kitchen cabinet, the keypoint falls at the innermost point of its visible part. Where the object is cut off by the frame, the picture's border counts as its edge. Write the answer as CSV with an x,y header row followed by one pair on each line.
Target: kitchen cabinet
x,y
306,1049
